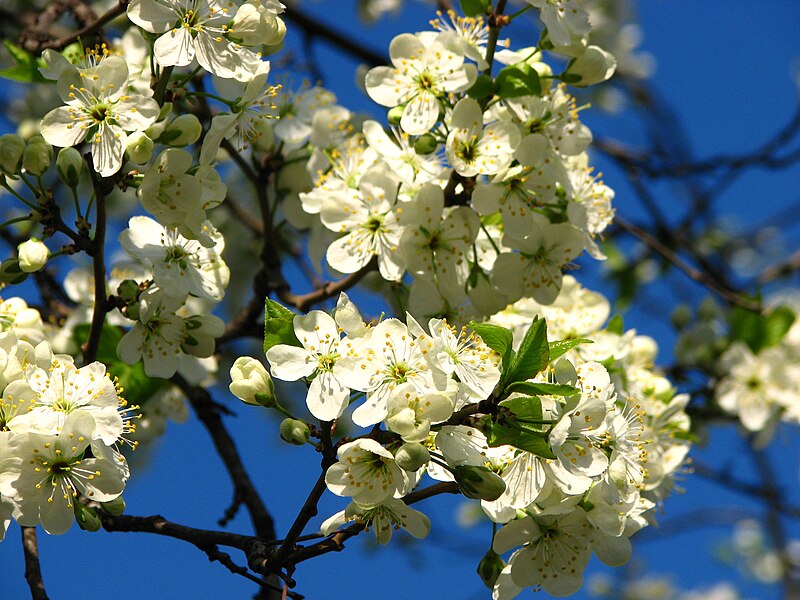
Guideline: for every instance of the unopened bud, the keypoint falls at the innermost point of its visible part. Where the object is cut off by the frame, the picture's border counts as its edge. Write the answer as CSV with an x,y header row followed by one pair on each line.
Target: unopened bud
x,y
69,164
251,383
490,567
425,144
128,290
140,147
593,66
708,310
37,156
11,273
412,456
182,131
681,317
33,255
87,518
114,507
294,432
479,483
395,114
11,148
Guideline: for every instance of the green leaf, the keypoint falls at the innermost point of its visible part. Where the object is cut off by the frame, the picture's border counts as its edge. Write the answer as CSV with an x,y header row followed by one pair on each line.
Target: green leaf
x,y
533,354
542,389
760,331
776,324
518,80
482,88
498,339
278,325
615,325
473,8
527,409
26,68
524,439
560,347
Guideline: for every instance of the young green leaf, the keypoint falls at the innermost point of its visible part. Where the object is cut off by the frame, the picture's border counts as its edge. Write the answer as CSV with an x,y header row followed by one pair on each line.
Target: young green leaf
x,y
560,347
498,339
526,409
615,325
278,325
518,80
473,8
26,68
533,354
542,389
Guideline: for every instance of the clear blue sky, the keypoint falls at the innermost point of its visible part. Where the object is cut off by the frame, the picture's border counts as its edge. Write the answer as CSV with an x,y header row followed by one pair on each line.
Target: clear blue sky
x,y
726,67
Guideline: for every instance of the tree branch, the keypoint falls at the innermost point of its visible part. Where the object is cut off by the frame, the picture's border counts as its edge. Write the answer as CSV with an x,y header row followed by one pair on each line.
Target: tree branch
x,y
33,571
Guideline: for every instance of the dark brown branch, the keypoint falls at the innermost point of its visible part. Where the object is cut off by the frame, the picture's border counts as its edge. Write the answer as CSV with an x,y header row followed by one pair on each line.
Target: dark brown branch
x,y
38,38
97,252
33,571
202,538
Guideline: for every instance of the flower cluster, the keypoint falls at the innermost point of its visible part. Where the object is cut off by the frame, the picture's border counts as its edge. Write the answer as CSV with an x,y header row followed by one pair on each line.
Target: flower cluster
x,y
569,444
60,427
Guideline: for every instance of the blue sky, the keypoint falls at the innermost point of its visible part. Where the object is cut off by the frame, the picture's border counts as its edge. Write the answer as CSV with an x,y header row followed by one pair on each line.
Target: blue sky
x,y
727,69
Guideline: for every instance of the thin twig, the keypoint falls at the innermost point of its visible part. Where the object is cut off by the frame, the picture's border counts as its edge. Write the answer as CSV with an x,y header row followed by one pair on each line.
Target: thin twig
x,y
730,296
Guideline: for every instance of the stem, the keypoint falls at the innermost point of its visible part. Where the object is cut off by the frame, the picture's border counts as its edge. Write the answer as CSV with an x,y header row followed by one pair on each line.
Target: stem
x,y
33,571
494,34
161,87
97,252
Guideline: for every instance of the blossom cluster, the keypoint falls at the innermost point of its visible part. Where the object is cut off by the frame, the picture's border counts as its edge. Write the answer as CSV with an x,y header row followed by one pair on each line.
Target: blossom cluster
x,y
60,427
578,449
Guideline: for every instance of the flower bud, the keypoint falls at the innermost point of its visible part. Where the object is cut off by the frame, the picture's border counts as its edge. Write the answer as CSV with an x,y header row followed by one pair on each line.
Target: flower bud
x,y
37,156
33,255
490,567
425,144
11,273
251,383
681,317
255,25
412,456
87,517
395,114
708,309
294,432
114,507
479,483
69,164
182,131
11,148
140,147
133,311
128,290
593,66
